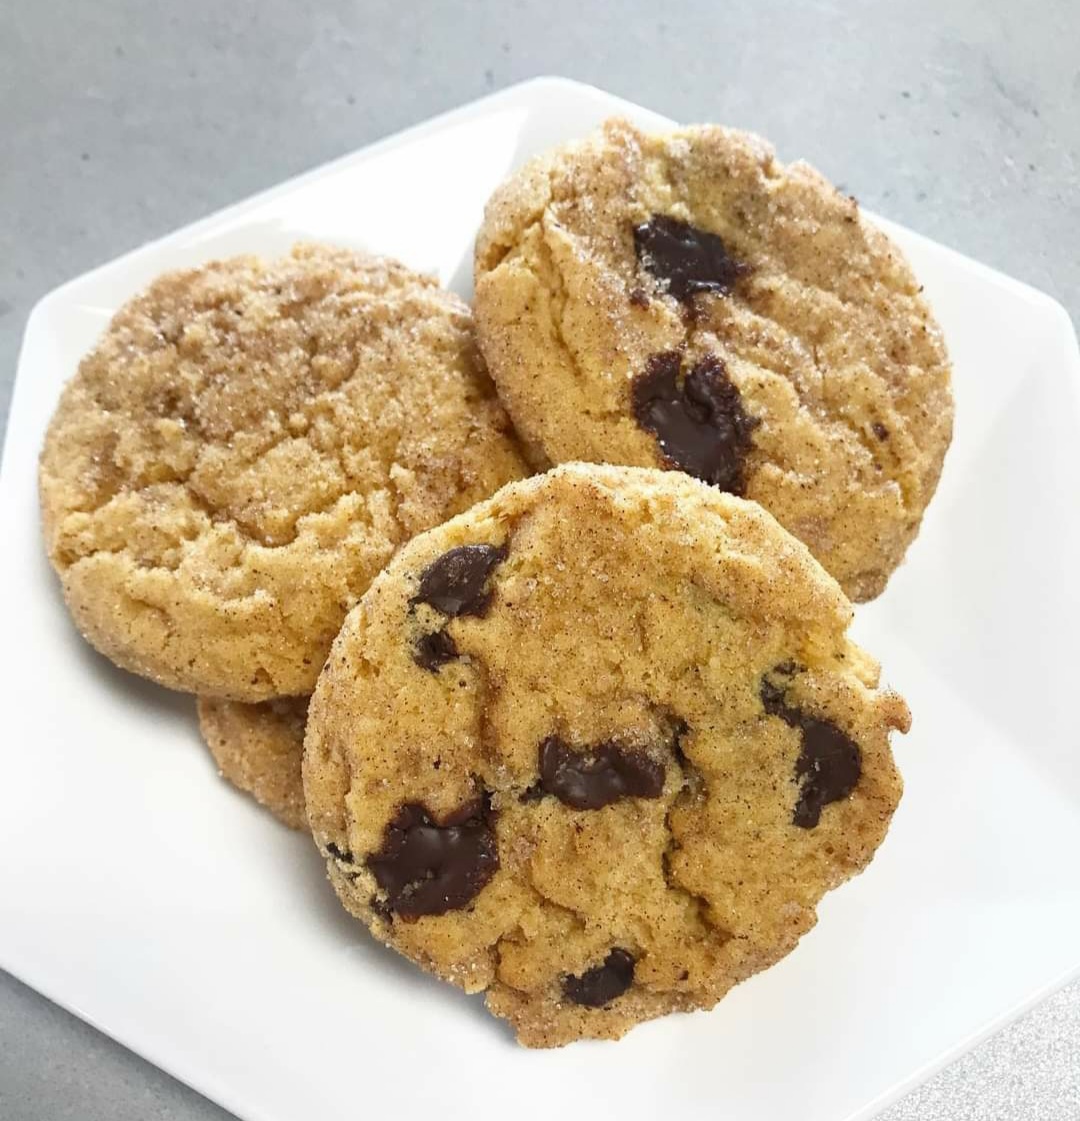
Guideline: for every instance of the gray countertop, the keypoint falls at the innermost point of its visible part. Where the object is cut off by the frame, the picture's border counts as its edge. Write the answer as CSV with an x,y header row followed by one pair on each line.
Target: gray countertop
x,y
123,119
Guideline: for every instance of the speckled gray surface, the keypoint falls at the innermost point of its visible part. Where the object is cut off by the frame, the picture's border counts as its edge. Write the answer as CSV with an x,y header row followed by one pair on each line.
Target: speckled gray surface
x,y
122,119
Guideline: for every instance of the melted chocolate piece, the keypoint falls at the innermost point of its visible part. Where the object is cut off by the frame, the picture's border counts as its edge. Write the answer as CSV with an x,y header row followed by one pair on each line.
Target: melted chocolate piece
x,y
701,426
772,701
829,763
595,777
879,430
339,855
455,583
434,650
428,868
603,983
688,259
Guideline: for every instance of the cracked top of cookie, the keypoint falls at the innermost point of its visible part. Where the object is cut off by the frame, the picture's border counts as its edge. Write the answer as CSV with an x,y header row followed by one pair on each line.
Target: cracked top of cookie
x,y
244,449
646,750
687,301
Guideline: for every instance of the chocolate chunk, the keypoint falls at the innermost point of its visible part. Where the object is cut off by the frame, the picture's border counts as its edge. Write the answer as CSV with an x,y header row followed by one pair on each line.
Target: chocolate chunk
x,y
455,583
701,426
829,763
688,259
339,855
603,983
880,431
427,867
434,650
596,776
772,701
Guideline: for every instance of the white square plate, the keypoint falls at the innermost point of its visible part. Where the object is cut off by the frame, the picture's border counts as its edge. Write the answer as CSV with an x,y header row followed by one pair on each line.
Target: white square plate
x,y
145,895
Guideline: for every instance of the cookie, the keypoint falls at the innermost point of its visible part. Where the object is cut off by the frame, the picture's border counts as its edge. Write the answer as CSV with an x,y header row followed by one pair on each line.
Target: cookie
x,y
597,747
686,301
244,449
258,748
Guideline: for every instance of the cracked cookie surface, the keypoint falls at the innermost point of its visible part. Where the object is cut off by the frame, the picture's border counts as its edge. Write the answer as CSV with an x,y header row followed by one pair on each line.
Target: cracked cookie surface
x,y
259,748
647,752
687,301
244,449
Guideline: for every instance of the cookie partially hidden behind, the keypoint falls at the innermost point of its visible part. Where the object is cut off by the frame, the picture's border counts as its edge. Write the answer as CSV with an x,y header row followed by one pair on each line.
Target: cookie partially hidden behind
x,y
259,748
597,747
244,449
686,301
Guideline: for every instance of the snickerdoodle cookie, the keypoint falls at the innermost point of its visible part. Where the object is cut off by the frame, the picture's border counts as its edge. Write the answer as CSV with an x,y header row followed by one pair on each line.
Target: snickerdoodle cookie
x,y
597,747
245,448
259,748
687,301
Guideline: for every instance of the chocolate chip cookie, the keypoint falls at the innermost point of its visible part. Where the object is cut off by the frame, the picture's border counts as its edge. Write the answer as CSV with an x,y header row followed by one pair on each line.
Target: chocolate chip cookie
x,y
244,449
686,301
258,748
597,747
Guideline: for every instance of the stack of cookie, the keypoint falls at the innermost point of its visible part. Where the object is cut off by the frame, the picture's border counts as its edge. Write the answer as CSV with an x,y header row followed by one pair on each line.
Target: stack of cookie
x,y
587,732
